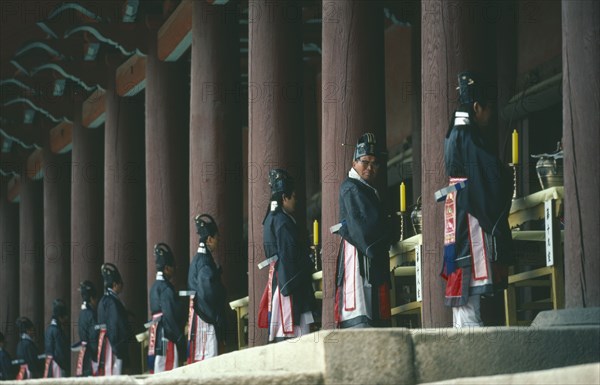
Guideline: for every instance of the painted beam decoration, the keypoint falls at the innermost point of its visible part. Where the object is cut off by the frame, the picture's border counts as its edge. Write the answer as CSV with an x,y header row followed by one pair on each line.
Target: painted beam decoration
x,y
175,35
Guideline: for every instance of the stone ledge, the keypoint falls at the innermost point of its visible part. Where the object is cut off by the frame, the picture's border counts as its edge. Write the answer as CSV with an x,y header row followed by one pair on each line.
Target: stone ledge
x,y
337,354
386,356
450,353
574,375
568,317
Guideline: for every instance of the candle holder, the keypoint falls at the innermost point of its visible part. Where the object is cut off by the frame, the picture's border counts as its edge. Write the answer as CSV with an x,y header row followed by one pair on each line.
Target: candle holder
x,y
401,214
316,257
514,167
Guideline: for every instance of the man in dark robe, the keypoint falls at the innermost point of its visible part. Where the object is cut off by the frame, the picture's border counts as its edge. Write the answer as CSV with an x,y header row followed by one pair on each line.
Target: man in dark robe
x,y
207,317
290,296
88,333
55,343
115,332
167,341
28,357
476,231
6,366
363,265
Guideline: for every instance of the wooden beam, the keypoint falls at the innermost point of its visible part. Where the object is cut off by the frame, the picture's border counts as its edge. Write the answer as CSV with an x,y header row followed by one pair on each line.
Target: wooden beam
x,y
175,35
61,138
35,164
131,76
13,189
93,110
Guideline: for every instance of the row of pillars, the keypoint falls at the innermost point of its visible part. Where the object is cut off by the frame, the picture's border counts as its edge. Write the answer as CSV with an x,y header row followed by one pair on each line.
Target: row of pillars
x,y
135,194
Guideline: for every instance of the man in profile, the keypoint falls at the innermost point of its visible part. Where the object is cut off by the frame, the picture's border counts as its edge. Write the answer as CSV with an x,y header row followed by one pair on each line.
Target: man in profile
x,y
363,273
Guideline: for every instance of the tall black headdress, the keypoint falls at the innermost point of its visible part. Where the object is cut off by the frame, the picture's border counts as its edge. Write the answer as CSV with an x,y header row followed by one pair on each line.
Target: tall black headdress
x,y
23,324
59,308
367,145
205,226
280,182
87,290
110,274
163,256
473,87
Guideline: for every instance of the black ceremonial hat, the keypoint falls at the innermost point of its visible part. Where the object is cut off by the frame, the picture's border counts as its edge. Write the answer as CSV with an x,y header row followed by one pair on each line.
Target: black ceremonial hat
x,y
110,274
474,87
366,145
59,308
87,289
163,255
280,181
205,225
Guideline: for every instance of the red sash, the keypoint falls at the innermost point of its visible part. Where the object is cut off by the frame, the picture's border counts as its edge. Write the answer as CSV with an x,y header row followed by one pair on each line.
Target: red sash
x,y
101,338
24,373
47,366
79,370
152,333
191,326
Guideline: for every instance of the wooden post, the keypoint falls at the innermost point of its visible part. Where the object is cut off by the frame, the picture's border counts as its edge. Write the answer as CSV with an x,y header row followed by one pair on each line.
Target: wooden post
x,y
57,229
9,268
31,261
581,103
452,37
124,203
166,135
87,208
275,119
215,161
353,100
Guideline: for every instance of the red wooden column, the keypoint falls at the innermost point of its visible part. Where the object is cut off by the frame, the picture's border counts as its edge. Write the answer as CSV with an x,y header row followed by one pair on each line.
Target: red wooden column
x,y
452,37
353,99
167,120
31,261
87,214
275,119
57,223
124,201
215,168
581,103
9,268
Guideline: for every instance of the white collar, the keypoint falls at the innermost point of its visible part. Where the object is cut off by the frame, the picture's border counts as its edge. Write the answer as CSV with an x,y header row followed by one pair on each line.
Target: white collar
x,y
26,336
202,248
353,174
54,322
461,118
160,276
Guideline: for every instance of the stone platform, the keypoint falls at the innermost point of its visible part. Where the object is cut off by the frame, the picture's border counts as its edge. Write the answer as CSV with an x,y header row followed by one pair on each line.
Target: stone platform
x,y
399,356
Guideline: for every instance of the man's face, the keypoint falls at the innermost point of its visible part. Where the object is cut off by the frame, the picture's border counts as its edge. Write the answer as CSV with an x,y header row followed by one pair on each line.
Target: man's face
x,y
169,271
367,166
212,242
483,115
289,203
118,287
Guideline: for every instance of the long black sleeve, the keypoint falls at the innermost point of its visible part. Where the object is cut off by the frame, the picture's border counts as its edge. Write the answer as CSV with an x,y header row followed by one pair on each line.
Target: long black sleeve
x,y
56,346
112,313
365,225
292,267
28,351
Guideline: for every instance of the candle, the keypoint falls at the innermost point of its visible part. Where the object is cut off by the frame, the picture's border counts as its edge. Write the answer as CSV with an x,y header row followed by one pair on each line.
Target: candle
x,y
515,147
402,197
315,232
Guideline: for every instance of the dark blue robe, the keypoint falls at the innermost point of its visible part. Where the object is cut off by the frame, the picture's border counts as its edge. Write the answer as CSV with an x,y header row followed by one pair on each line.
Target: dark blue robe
x,y
293,269
112,313
164,300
